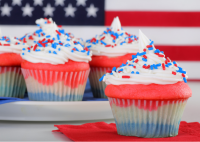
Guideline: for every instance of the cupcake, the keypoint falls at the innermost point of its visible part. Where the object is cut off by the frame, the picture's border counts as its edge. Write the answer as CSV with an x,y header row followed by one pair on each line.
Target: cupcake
x,y
47,26
148,94
110,49
12,83
55,68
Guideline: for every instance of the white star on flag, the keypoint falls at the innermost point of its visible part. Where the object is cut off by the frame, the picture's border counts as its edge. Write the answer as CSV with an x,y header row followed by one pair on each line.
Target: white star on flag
x,y
92,11
27,10
81,2
38,2
5,10
69,11
59,2
17,2
48,10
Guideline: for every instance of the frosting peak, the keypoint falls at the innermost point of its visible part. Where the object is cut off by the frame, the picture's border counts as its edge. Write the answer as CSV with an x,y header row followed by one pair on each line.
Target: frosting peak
x,y
148,66
116,25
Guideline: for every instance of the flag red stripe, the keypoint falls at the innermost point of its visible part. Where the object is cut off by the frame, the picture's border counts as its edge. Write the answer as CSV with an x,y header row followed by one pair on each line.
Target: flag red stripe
x,y
158,18
181,53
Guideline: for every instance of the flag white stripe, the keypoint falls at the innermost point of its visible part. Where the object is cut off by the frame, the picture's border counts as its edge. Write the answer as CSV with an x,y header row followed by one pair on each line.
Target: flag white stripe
x,y
160,35
152,5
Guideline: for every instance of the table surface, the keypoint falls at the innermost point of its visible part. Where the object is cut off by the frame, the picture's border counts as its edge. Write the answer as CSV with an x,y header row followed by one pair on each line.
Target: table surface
x,y
41,131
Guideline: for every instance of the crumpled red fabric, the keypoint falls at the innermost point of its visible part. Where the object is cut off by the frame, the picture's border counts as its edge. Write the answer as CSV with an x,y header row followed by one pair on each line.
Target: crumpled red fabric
x,y
101,131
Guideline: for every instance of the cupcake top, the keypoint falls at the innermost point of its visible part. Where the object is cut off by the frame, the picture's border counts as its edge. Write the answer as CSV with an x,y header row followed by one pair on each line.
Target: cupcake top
x,y
147,67
113,42
56,48
47,27
11,45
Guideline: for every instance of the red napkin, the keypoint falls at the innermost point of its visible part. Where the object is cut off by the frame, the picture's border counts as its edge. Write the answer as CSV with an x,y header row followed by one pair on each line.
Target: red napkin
x,y
101,131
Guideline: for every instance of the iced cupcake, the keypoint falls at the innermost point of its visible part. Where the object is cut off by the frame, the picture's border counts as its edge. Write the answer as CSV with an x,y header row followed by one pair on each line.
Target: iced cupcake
x,y
148,94
11,79
110,49
55,68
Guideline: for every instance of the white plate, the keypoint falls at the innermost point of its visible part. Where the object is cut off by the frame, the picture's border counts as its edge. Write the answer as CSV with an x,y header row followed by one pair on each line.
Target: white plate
x,y
55,111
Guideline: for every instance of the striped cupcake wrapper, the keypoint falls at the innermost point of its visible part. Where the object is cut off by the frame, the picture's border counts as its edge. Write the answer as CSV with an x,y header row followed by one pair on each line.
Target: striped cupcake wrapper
x,y
147,118
98,87
12,82
44,85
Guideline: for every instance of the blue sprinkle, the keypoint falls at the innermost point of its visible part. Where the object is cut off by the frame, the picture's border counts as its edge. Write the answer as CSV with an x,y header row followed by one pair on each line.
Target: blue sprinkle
x,y
68,39
151,42
155,66
121,34
45,22
38,25
134,56
59,49
101,78
39,45
120,70
53,38
48,36
113,40
83,51
67,45
105,32
130,65
174,62
111,73
22,53
49,51
97,41
88,53
166,65
54,52
137,72
72,50
76,49
131,36
29,50
43,33
122,43
114,69
58,37
169,64
158,65
151,48
144,59
132,72
151,67
23,49
162,52
89,46
184,79
103,42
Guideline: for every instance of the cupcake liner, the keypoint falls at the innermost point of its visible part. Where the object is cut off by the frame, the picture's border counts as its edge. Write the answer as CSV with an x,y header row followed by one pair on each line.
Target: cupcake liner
x,y
97,87
12,82
147,118
44,85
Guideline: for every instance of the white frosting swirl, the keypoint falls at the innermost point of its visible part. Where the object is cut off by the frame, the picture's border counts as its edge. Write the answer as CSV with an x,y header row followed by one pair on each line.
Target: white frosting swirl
x,y
11,45
113,42
149,66
47,27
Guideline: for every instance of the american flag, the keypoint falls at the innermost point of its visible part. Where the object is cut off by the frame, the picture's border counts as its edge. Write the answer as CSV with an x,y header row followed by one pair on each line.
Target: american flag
x,y
174,25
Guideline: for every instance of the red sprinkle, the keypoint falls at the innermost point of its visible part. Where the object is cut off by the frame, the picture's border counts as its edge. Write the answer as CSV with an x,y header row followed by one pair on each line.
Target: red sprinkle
x,y
130,41
15,43
24,40
168,60
119,71
165,61
134,66
136,60
175,65
144,50
163,66
0,43
86,49
147,66
93,40
59,26
61,43
58,32
114,37
145,56
102,38
108,71
6,44
115,44
30,37
125,76
159,55
183,75
35,47
108,45
173,72
148,46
